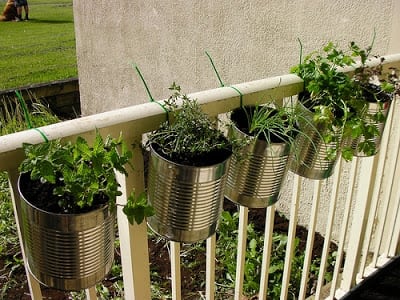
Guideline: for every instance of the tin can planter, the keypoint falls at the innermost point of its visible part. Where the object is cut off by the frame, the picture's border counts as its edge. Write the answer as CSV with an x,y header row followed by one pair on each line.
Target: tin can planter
x,y
373,109
256,173
68,252
187,200
309,156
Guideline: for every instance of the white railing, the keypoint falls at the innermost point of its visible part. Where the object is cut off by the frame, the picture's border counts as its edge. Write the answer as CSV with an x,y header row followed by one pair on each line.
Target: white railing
x,y
370,228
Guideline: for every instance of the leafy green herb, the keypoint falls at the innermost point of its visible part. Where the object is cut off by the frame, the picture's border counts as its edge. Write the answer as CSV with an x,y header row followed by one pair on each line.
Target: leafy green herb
x,y
339,101
79,172
137,208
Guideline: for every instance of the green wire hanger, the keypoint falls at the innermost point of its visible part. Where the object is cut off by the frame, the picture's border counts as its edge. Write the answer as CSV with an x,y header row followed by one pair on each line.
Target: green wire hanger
x,y
27,117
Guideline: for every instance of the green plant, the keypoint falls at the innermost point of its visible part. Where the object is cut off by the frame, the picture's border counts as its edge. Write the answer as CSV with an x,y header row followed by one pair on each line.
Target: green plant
x,y
137,208
226,252
338,101
77,174
12,119
370,86
190,135
273,123
327,91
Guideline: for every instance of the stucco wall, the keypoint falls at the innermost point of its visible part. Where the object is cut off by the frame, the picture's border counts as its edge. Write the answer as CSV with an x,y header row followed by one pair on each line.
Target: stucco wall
x,y
248,40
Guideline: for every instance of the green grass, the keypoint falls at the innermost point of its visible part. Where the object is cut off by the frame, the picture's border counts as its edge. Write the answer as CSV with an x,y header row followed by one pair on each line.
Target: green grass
x,y
40,50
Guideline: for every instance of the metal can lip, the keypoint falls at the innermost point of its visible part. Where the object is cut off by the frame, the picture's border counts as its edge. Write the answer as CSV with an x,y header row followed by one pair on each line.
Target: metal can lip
x,y
154,152
73,222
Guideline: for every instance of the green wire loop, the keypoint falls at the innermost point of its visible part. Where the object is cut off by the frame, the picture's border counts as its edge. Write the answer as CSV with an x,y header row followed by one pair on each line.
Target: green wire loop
x,y
220,80
240,94
148,91
27,117
215,69
42,134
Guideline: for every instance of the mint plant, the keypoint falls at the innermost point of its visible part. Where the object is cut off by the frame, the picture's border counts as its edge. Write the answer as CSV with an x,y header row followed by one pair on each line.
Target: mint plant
x,y
137,208
78,176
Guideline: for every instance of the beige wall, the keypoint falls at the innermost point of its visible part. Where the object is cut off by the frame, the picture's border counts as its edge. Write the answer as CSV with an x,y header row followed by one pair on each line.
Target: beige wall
x,y
248,40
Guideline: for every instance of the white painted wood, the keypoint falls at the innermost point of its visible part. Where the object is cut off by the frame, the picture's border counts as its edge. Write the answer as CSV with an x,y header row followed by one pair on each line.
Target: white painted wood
x,y
241,251
266,260
340,293
383,260
394,241
384,214
210,267
379,182
392,217
91,293
291,237
344,228
310,240
361,208
34,285
329,226
133,238
394,248
176,270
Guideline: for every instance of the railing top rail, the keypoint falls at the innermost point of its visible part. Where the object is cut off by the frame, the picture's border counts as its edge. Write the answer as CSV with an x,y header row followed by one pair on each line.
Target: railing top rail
x,y
135,120
138,119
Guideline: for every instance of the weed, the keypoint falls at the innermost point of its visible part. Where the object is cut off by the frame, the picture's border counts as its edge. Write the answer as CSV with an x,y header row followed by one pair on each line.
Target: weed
x,y
226,253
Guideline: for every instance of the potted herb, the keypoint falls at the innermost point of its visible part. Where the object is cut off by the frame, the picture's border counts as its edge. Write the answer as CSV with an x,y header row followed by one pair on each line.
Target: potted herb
x,y
188,164
327,100
348,112
67,199
369,106
256,172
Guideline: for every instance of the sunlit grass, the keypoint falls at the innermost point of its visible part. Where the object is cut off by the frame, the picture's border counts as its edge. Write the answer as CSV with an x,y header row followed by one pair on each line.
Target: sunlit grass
x,y
40,50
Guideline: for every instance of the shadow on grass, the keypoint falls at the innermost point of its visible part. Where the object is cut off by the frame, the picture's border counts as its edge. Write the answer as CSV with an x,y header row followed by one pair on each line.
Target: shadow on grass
x,y
50,21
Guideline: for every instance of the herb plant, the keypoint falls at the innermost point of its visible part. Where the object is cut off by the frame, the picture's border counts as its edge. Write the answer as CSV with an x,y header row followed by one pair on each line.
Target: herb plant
x,y
137,208
327,91
370,86
189,136
272,124
79,177
338,101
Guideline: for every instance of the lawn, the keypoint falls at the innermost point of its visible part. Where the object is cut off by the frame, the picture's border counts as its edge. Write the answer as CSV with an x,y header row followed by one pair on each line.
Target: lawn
x,y
41,49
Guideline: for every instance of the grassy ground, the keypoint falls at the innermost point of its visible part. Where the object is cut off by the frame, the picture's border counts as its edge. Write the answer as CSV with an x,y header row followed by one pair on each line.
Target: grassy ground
x,y
40,50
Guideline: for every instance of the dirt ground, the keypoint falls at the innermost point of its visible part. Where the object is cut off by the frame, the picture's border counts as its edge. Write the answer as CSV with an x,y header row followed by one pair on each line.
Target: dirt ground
x,y
159,257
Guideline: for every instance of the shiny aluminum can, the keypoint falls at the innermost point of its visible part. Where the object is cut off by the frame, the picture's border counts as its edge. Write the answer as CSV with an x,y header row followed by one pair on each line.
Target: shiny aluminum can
x,y
187,200
68,252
